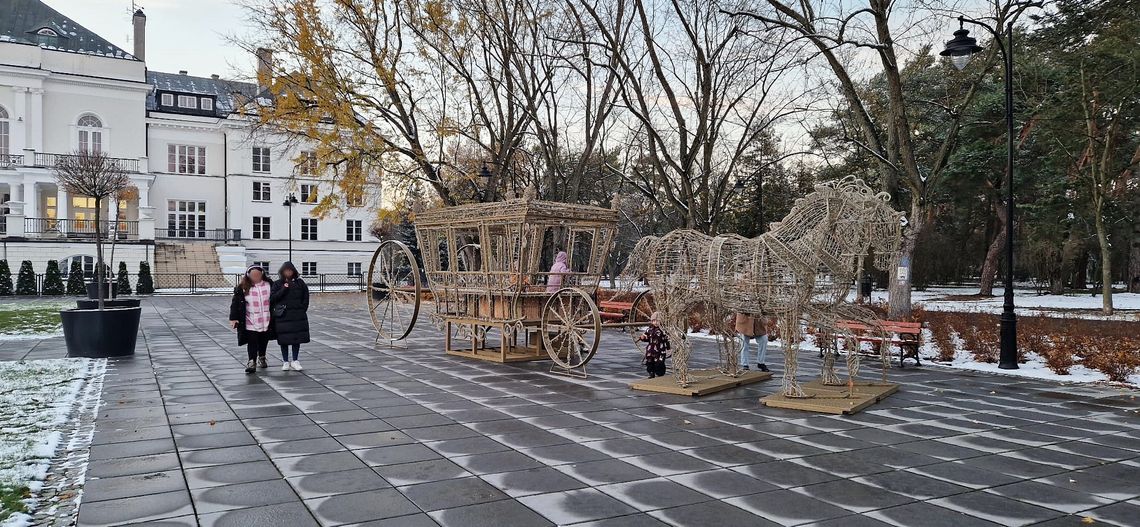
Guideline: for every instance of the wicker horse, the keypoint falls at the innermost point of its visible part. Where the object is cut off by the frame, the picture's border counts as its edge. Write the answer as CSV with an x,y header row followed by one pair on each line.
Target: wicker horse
x,y
801,270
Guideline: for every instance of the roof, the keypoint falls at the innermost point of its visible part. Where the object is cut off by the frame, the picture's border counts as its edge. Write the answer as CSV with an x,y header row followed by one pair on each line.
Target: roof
x,y
23,19
221,89
520,210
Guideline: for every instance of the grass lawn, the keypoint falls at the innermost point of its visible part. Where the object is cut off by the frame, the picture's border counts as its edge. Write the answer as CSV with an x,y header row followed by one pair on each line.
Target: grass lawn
x,y
30,319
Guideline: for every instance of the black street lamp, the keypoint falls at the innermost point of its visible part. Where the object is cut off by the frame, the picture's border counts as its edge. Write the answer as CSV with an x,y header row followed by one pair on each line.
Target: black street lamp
x,y
960,49
290,200
485,176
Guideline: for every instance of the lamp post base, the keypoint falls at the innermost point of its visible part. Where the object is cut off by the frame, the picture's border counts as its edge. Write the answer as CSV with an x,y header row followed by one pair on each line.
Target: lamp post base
x,y
1008,358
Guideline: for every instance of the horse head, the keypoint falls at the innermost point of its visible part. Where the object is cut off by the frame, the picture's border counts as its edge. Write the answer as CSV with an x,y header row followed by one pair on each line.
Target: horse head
x,y
864,221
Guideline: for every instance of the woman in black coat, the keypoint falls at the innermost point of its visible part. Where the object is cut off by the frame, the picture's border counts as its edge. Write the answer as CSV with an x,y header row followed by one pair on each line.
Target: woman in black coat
x,y
290,301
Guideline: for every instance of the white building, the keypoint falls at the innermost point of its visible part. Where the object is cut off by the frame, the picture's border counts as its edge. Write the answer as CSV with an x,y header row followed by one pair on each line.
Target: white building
x,y
206,185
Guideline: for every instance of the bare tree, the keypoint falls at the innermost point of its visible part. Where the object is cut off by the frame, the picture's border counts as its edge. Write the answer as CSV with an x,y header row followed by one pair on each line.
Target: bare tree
x,y
833,29
94,175
698,90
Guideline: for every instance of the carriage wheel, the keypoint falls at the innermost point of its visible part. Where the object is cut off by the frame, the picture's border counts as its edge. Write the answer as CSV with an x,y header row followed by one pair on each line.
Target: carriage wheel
x,y
643,308
393,290
571,328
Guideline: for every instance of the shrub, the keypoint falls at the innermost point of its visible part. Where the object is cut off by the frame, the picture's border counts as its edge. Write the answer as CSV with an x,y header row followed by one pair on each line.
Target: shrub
x,y
1059,357
942,334
5,279
145,284
75,285
1118,358
123,286
53,282
981,338
26,280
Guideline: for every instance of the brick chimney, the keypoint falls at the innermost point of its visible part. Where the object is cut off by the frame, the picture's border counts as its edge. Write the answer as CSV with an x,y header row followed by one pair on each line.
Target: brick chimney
x,y
139,20
264,68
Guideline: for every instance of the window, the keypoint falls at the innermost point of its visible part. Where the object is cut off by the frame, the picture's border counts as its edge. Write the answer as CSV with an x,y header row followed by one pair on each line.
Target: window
x,y
167,99
354,198
261,227
308,193
261,191
308,163
353,230
261,159
47,32
4,144
184,159
207,103
186,219
308,268
264,264
354,269
308,228
188,101
90,134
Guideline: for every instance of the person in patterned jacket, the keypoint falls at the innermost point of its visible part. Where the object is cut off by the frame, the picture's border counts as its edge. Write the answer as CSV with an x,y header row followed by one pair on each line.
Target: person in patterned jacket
x,y
656,347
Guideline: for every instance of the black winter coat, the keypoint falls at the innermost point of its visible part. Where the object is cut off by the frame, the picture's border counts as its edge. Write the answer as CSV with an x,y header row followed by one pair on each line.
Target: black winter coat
x,y
237,312
293,326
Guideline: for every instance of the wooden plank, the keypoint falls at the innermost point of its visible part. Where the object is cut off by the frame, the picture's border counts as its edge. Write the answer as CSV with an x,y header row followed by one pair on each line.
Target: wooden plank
x,y
705,382
833,399
495,354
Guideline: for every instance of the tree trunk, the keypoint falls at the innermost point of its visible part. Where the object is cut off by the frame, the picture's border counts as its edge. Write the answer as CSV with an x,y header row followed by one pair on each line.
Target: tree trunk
x,y
990,265
900,286
1105,262
99,274
1134,257
1081,269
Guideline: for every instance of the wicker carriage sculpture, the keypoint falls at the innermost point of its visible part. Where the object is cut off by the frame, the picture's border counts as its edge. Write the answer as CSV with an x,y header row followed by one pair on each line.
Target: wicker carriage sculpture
x,y
487,267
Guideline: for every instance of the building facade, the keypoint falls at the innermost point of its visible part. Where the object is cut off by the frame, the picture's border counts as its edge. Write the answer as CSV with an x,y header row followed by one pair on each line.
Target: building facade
x,y
213,195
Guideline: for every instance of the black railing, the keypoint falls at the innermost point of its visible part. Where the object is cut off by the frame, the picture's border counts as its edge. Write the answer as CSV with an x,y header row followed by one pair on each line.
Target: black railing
x,y
46,160
206,283
206,235
81,229
11,160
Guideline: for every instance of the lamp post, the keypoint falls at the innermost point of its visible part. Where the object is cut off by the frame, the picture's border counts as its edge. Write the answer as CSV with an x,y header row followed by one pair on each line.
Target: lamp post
x,y
485,175
960,49
290,200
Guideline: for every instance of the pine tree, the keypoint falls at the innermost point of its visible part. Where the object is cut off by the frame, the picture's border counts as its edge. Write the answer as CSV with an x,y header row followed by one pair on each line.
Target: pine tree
x,y
145,285
123,287
75,285
26,281
5,279
53,282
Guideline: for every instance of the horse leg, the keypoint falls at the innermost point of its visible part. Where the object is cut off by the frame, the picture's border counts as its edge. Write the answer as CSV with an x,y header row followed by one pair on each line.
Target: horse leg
x,y
885,357
675,328
853,349
726,338
790,333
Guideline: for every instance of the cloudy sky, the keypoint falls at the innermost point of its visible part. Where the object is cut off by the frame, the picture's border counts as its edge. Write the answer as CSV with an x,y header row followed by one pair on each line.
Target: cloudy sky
x,y
181,34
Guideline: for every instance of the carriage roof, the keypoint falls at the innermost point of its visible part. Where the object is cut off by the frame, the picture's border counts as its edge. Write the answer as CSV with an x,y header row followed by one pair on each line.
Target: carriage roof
x,y
515,211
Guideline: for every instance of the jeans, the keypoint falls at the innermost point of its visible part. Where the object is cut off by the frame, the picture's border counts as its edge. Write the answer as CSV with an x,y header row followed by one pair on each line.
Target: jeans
x,y
285,351
256,342
761,349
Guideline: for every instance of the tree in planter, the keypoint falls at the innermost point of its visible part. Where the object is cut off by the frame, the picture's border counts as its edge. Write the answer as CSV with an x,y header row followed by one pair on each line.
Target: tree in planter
x,y
145,285
53,282
26,281
75,278
5,279
99,177
123,287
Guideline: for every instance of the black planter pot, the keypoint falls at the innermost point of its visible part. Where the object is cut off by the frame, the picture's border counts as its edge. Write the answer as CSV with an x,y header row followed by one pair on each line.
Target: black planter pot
x,y
93,290
99,334
117,302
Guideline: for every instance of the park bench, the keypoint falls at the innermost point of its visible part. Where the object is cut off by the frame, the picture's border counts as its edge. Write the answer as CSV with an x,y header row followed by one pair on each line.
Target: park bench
x,y
614,311
907,336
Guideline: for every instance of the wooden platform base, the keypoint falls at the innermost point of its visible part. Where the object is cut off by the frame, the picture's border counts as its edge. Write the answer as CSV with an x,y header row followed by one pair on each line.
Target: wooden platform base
x,y
834,399
514,354
704,382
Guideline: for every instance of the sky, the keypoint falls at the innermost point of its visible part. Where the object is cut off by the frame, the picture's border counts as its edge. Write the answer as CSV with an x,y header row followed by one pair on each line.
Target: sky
x,y
181,34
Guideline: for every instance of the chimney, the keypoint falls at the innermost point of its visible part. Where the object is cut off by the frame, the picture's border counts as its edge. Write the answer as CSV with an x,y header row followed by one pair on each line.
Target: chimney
x,y
264,68
139,20
183,72
215,76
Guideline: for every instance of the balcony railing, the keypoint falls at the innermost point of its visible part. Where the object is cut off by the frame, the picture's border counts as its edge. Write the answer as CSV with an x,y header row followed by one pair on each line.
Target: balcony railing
x,y
11,160
206,235
45,160
80,229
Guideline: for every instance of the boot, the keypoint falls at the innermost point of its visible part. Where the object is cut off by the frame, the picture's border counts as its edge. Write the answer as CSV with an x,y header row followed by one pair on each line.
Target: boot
x,y
261,363
251,366
763,367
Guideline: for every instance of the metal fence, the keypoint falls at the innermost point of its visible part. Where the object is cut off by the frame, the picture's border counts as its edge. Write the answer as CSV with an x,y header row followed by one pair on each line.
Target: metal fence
x,y
47,160
81,229
208,235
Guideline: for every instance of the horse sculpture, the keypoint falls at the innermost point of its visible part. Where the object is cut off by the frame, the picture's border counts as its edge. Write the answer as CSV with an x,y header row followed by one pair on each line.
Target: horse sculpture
x,y
799,271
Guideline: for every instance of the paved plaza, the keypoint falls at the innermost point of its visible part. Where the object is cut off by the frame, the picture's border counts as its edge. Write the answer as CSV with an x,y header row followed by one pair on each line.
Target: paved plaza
x,y
409,437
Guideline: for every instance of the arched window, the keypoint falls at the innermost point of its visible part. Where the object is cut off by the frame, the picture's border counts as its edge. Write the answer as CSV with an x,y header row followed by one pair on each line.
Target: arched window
x,y
4,151
87,263
90,134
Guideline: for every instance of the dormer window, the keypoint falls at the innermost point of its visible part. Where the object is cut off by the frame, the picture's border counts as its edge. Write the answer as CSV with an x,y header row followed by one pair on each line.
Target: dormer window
x,y
47,32
188,101
168,99
207,104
